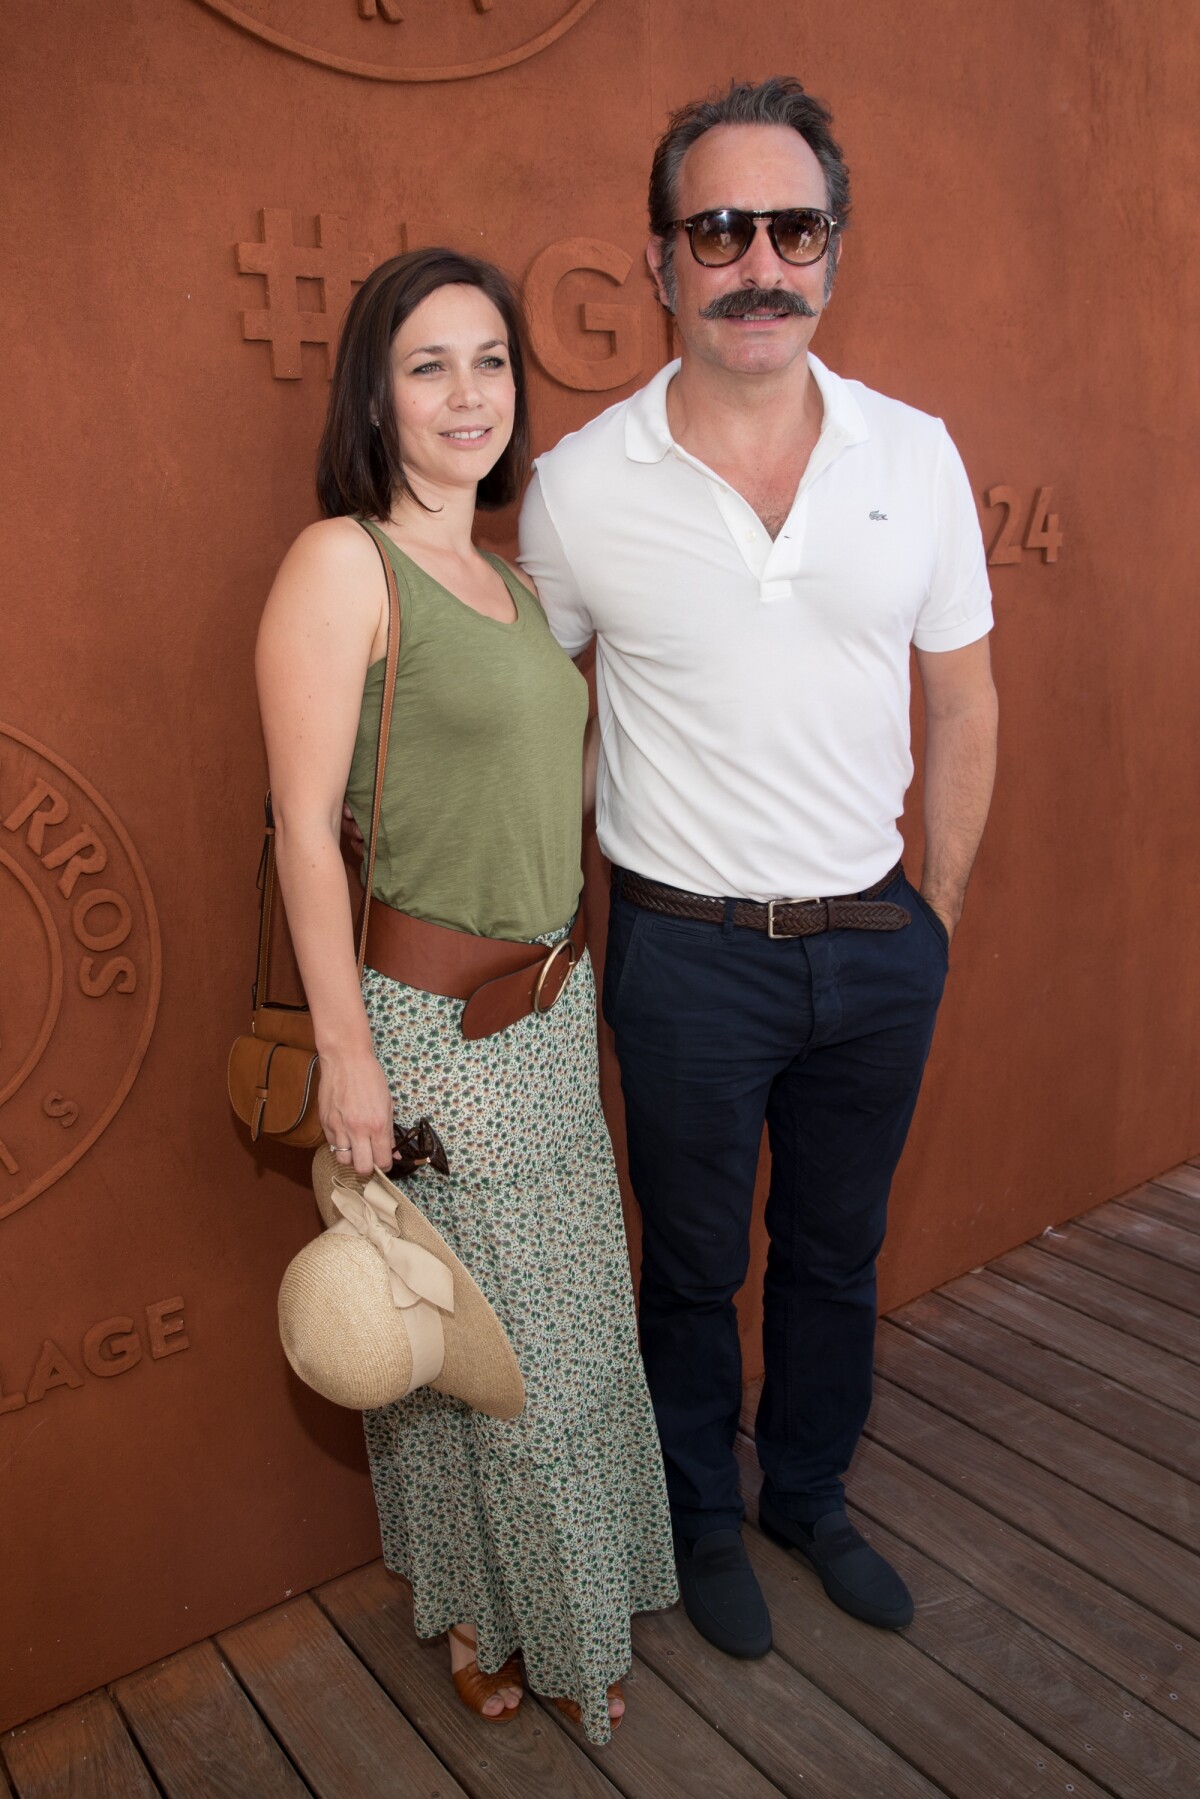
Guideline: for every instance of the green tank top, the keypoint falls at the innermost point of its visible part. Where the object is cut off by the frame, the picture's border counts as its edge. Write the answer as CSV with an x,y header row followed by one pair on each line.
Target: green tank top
x,y
481,818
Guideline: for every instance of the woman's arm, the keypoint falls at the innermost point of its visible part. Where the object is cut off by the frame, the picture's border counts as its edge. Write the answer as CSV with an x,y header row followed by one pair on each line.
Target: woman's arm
x,y
325,621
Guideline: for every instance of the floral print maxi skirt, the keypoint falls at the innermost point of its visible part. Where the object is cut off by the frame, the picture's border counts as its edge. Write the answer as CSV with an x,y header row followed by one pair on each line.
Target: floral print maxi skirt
x,y
549,1531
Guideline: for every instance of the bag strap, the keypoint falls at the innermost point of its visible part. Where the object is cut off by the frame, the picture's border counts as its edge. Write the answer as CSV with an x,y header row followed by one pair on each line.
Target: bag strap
x,y
385,730
267,881
266,906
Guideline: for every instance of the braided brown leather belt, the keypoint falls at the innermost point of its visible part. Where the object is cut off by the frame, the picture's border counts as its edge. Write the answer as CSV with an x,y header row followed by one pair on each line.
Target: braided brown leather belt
x,y
778,918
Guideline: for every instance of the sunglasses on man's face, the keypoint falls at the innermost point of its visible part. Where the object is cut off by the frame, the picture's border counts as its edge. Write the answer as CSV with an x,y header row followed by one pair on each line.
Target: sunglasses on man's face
x,y
798,234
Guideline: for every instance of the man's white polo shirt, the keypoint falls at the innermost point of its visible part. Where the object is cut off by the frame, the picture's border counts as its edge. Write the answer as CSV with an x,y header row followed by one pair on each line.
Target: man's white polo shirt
x,y
754,695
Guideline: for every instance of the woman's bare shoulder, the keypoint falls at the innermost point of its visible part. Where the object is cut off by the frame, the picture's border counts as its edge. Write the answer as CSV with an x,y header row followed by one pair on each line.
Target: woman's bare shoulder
x,y
330,576
332,556
334,544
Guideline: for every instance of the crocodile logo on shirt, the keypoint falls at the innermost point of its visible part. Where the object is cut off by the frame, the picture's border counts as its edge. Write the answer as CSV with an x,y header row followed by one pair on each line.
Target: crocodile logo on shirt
x,y
881,516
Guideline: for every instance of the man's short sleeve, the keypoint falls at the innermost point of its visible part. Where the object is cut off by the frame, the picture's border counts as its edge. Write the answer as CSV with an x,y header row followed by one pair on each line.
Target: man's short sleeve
x,y
544,560
958,607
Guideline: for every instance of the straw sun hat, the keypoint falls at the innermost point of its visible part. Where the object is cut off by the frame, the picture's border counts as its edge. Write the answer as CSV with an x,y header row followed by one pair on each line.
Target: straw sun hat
x,y
379,1305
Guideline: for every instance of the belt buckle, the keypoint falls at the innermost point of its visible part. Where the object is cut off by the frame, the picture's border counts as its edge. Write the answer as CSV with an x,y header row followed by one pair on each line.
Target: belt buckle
x,y
782,936
556,949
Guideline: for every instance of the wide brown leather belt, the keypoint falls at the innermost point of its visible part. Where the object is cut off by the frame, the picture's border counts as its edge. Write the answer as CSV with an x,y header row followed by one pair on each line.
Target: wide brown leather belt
x,y
500,981
778,918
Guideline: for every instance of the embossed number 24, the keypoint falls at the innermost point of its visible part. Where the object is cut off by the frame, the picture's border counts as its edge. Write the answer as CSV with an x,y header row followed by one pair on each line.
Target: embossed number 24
x,y
1041,533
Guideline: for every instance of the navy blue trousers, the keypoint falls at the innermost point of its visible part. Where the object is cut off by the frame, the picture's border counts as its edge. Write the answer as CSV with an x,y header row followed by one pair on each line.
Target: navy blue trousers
x,y
824,1039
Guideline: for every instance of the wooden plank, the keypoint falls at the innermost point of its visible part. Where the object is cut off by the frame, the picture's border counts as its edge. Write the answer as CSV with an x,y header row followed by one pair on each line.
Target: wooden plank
x,y
1184,1179
751,1393
1173,1205
373,1611
1158,1574
80,1751
1067,1386
930,1718
343,1733
1132,1313
1091,1720
779,1720
1158,1496
1119,1262
1088,1719
665,1750
199,1732
1136,1365
1180,1248
1112,1634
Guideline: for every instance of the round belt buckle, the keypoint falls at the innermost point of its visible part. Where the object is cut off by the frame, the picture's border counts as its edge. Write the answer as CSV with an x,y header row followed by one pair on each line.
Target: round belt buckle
x,y
567,945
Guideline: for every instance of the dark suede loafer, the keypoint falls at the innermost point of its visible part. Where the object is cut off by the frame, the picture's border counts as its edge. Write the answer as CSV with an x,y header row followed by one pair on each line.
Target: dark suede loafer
x,y
854,1575
721,1594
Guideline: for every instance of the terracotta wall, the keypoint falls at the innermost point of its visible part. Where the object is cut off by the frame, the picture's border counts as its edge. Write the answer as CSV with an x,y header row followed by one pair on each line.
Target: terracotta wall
x,y
185,204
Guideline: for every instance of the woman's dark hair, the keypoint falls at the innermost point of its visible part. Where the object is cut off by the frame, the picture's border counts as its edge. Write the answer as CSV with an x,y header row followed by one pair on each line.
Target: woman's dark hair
x,y
360,466
780,100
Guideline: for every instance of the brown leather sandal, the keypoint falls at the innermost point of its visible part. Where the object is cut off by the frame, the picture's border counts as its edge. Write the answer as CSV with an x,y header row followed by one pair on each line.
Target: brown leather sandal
x,y
571,1707
474,1687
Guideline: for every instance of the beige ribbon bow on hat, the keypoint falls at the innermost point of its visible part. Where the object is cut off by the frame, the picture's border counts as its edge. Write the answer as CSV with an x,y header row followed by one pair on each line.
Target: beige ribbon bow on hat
x,y
422,1287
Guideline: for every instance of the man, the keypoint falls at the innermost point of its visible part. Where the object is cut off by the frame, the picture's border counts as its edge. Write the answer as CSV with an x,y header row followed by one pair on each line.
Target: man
x,y
755,543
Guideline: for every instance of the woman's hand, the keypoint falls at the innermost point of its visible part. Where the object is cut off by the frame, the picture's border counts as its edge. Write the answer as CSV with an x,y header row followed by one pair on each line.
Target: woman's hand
x,y
356,1112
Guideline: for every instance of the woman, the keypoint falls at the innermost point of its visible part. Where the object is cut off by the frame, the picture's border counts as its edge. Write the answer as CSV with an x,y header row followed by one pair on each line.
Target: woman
x,y
541,1535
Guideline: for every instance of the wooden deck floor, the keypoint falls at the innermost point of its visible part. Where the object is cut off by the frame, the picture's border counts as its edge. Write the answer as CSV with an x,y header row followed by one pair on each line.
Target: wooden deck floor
x,y
1032,1467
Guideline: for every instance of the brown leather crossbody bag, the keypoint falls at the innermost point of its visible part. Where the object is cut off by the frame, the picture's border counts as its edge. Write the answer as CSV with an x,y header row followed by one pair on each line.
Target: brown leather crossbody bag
x,y
274,1072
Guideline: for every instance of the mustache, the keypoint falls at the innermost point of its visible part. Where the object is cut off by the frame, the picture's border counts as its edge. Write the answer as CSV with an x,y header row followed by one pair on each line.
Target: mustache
x,y
758,299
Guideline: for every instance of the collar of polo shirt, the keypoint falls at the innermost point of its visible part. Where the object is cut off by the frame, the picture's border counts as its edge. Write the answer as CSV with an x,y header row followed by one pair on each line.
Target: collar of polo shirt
x,y
648,435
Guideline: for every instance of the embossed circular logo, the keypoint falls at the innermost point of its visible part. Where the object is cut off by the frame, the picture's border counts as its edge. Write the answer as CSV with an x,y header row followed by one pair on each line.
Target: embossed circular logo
x,y
407,40
81,961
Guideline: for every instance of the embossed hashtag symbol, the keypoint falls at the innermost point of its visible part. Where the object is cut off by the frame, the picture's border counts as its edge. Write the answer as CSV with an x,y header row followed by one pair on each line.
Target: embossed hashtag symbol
x,y
281,322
